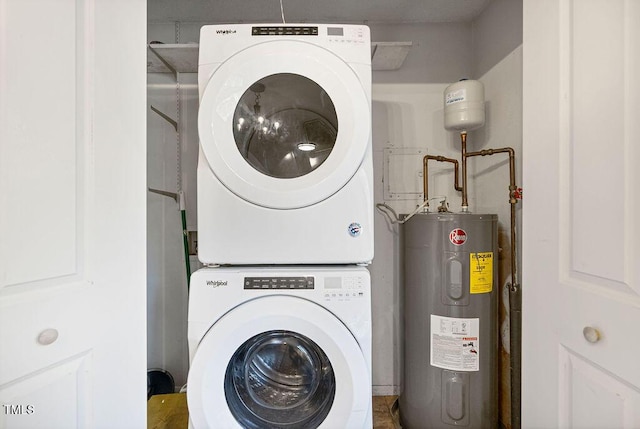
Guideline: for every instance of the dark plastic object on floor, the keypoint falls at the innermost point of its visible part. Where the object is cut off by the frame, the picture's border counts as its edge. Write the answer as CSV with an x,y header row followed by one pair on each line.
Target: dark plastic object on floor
x,y
159,382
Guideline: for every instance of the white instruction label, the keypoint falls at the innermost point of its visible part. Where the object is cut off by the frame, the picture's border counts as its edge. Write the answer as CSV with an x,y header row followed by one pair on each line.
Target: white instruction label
x,y
455,343
455,96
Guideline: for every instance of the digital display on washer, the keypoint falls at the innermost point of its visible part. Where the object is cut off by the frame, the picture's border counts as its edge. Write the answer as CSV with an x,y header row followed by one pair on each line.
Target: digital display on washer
x,y
279,282
284,31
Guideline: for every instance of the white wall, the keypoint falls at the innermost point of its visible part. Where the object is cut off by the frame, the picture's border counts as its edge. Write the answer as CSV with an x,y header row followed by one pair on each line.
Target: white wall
x,y
495,33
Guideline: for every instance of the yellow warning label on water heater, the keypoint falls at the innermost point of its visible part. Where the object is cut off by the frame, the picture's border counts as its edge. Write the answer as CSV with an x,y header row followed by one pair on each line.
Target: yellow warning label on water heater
x,y
481,272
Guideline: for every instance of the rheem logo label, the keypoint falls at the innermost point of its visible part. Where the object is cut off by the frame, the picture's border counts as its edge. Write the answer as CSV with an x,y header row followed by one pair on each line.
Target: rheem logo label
x,y
458,236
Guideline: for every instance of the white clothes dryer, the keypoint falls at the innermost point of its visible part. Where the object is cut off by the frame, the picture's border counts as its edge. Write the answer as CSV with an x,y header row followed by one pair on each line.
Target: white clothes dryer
x,y
285,172
280,347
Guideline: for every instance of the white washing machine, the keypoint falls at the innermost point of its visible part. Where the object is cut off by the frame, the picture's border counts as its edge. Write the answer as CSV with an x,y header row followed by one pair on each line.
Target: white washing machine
x,y
280,347
285,173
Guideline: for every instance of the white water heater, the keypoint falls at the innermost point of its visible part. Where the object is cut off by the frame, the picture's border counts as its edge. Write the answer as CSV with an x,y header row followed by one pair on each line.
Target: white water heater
x,y
464,106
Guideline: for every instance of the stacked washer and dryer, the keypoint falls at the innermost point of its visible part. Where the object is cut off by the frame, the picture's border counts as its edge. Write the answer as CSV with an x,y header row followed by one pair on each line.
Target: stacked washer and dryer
x,y
280,319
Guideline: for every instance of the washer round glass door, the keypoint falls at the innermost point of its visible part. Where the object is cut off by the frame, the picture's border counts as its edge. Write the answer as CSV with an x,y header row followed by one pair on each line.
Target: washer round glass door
x,y
284,124
279,379
280,362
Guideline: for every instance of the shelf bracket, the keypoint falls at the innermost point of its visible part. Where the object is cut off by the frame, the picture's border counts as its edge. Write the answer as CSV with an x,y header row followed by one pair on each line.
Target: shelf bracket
x,y
389,55
173,195
170,120
167,65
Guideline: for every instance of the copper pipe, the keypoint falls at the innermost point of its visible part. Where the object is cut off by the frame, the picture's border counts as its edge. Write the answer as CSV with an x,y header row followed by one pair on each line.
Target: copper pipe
x,y
512,167
512,200
515,297
425,173
463,141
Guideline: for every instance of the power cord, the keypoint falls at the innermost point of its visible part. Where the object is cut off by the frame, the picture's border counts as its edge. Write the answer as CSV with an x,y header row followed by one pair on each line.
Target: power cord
x,y
388,211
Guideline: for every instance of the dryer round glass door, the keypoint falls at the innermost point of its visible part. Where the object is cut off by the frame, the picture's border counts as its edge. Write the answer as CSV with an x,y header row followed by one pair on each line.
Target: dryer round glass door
x,y
279,379
284,124
278,361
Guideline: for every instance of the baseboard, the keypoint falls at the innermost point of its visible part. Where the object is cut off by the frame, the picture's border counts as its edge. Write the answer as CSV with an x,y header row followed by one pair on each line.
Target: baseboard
x,y
385,390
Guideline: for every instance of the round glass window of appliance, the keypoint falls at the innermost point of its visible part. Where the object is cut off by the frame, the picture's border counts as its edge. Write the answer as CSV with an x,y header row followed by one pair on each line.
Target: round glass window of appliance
x,y
285,125
279,379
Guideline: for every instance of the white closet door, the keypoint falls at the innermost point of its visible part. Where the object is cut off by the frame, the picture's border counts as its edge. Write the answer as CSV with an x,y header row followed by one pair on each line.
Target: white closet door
x,y
72,213
581,240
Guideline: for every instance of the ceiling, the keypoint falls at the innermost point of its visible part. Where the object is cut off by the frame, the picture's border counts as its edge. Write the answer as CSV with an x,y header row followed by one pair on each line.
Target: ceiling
x,y
321,11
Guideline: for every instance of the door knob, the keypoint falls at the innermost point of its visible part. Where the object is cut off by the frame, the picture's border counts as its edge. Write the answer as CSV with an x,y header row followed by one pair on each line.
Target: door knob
x,y
591,334
48,336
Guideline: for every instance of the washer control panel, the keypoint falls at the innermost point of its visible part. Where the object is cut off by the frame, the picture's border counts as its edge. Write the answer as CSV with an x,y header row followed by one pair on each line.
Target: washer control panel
x,y
307,282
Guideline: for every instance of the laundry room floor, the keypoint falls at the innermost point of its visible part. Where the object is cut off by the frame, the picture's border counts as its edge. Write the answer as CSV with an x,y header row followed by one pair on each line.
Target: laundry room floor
x,y
170,412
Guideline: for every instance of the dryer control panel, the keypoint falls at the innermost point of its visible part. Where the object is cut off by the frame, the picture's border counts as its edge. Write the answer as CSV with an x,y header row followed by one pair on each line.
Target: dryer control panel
x,y
343,34
284,31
